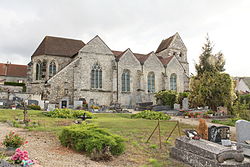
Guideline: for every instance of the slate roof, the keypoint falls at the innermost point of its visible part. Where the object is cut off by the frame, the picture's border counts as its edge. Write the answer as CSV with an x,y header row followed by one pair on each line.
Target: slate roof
x,y
58,46
13,70
247,81
164,44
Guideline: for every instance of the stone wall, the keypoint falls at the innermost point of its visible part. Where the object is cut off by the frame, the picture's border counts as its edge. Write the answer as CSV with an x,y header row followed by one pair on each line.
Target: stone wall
x,y
73,81
129,62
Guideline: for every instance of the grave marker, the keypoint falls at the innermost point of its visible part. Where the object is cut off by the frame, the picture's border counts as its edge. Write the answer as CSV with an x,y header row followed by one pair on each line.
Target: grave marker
x,y
242,131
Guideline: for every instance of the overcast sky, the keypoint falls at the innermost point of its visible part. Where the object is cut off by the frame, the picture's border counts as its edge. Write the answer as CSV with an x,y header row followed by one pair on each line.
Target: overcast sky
x,y
136,24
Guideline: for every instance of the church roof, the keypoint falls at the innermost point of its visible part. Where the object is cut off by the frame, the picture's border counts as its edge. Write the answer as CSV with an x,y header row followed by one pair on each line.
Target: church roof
x,y
166,60
140,57
58,46
13,70
164,44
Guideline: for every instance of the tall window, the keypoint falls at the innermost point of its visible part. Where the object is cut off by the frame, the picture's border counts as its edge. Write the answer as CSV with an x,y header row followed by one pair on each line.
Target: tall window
x,y
151,82
52,69
96,76
39,71
173,82
126,81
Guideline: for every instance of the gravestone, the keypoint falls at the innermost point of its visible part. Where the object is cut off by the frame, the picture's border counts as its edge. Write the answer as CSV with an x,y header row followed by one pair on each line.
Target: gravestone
x,y
1,103
177,106
51,107
4,163
242,131
203,153
216,134
185,105
34,102
77,104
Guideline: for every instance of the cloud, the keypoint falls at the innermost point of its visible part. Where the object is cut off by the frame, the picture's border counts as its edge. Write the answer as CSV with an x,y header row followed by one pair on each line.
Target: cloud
x,y
136,24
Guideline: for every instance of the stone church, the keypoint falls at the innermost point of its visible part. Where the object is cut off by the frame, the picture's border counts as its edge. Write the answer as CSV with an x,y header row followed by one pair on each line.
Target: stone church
x,y
69,70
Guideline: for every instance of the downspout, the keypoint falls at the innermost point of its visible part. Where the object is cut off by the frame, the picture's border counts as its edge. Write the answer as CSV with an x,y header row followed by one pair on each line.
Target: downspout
x,y
117,82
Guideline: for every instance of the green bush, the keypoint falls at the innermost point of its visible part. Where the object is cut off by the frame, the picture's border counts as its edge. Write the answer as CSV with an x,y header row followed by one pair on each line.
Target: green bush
x,y
166,97
241,110
34,107
153,115
14,83
68,113
93,140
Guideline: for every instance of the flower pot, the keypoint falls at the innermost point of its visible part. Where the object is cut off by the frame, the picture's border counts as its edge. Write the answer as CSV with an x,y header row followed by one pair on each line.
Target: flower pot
x,y
10,151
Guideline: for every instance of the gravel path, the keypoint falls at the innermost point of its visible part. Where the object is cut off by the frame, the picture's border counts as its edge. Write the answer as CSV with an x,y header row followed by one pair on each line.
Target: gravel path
x,y
45,148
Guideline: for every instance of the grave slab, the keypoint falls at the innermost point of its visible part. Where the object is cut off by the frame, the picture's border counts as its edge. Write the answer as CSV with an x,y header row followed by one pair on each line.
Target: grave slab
x,y
203,153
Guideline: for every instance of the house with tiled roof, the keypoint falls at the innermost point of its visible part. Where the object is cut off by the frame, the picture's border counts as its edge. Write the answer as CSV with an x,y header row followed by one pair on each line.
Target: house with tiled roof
x,y
13,73
242,84
65,70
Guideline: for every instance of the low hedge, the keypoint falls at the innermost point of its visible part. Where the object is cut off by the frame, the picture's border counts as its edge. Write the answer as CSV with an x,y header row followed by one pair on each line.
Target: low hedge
x,y
68,113
89,138
34,107
14,83
153,115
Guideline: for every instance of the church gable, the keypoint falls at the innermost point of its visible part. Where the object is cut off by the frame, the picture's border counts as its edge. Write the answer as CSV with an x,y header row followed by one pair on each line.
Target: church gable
x,y
96,45
153,61
128,58
174,63
177,43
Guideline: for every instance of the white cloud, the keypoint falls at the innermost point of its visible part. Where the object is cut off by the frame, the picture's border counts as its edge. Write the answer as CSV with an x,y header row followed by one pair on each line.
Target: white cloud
x,y
136,24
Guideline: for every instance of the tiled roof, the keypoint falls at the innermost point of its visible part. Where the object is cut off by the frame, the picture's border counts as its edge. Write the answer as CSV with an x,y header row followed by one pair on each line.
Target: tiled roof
x,y
140,57
58,46
164,44
13,70
165,61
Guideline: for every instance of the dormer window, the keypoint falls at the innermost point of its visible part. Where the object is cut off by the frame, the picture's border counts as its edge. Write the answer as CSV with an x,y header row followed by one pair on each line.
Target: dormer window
x,y
180,55
174,53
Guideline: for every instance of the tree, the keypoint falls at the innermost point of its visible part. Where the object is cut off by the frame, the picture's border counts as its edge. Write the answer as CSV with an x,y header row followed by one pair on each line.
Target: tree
x,y
208,61
210,87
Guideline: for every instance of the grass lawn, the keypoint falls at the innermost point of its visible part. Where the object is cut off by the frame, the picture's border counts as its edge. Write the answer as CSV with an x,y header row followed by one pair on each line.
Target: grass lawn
x,y
135,131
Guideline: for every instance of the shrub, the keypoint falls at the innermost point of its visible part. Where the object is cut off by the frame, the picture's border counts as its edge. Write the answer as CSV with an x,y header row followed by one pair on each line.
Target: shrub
x,y
13,140
68,113
153,115
34,107
166,97
93,140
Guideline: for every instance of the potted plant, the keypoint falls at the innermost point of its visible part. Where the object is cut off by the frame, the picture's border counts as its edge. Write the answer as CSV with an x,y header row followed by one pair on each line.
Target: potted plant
x,y
13,141
210,113
191,115
186,115
197,115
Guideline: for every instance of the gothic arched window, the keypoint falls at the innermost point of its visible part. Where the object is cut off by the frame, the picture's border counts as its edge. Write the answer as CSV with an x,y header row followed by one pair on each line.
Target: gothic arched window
x,y
173,82
96,76
126,81
39,71
52,69
151,82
